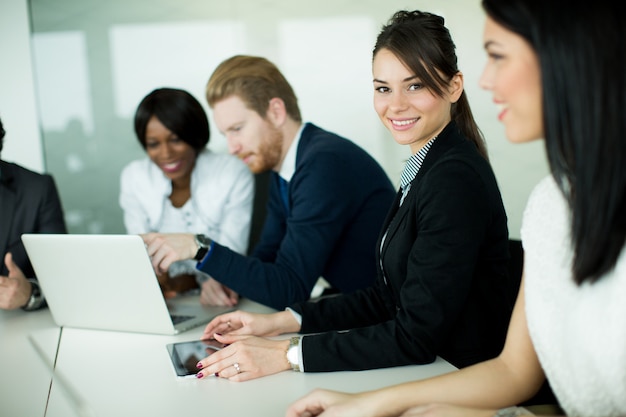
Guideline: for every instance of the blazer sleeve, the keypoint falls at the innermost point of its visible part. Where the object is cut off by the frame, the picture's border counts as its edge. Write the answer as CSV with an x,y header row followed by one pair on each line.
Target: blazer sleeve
x,y
40,211
365,307
293,250
446,223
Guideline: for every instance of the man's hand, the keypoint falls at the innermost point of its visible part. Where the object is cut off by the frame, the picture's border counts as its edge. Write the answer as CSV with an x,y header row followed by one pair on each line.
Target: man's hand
x,y
215,294
14,289
180,284
167,248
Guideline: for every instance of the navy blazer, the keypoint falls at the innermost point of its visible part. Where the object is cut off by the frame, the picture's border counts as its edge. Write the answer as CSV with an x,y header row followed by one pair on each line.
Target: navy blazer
x,y
442,287
29,203
338,199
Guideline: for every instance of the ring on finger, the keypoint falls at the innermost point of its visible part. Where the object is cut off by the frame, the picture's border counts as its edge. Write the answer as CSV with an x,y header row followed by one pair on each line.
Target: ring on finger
x,y
237,368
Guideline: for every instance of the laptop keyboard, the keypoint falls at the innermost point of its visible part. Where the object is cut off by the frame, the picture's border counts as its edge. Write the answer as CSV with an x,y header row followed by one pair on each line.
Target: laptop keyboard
x,y
178,318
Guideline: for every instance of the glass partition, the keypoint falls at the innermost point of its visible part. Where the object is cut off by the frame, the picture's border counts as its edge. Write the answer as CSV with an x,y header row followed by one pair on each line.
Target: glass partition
x,y
95,60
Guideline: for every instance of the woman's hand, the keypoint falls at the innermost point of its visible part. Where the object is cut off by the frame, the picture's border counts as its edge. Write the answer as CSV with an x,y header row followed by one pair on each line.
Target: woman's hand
x,y
444,410
214,293
245,358
244,323
327,403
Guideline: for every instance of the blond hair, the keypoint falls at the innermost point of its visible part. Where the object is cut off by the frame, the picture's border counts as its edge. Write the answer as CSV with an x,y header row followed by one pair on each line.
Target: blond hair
x,y
256,81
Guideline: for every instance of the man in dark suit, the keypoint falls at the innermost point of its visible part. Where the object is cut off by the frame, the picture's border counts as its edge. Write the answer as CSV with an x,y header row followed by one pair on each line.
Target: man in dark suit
x,y
328,197
29,203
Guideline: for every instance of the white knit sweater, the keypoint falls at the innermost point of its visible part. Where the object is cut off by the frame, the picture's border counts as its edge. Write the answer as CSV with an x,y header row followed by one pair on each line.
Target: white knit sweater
x,y
579,332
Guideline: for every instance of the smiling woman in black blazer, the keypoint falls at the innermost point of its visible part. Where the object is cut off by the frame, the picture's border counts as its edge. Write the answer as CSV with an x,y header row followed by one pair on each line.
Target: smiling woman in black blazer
x,y
442,287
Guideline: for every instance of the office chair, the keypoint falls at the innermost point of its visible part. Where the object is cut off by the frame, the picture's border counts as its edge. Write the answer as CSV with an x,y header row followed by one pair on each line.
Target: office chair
x,y
259,207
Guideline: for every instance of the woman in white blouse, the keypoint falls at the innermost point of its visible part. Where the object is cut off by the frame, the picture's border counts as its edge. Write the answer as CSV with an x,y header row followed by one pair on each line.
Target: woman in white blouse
x,y
181,186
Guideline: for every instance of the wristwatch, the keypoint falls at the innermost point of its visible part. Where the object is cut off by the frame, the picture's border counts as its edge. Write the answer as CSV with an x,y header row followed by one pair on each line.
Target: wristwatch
x,y
293,352
36,299
204,243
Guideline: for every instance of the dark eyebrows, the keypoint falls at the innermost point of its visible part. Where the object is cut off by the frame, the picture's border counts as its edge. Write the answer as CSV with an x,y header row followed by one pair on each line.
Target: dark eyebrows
x,y
487,44
411,78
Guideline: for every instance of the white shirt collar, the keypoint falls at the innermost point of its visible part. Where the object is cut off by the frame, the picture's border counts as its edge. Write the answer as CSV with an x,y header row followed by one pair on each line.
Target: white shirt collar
x,y
289,163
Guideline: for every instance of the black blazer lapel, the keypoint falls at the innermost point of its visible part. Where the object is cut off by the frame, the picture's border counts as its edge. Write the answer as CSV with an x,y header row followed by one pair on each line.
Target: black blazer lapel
x,y
393,220
448,138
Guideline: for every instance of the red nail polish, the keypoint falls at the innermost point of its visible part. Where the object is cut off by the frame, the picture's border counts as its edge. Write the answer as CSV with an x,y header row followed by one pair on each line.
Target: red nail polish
x,y
199,375
217,374
199,365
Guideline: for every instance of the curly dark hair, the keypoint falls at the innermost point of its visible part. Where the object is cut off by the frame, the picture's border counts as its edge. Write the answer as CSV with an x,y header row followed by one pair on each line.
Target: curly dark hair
x,y
179,111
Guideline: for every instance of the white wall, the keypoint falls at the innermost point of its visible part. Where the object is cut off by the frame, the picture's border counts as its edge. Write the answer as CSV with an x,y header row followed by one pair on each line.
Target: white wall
x,y
115,51
18,108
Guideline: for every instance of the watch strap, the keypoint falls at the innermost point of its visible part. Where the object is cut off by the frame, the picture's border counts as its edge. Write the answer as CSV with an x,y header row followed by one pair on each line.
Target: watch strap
x,y
36,299
204,243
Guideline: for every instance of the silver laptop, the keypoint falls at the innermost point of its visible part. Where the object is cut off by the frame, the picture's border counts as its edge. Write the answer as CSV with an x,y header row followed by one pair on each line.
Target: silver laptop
x,y
106,282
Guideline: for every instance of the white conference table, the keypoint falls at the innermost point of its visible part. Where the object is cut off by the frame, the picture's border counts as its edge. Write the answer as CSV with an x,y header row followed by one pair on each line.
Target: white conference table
x,y
121,374
24,379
